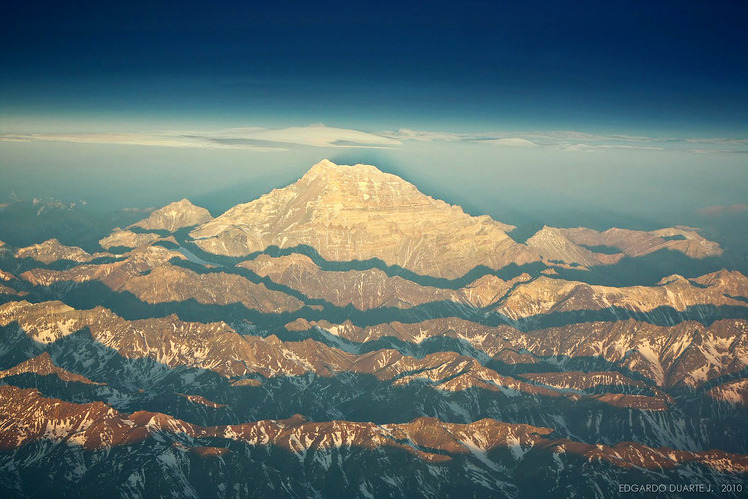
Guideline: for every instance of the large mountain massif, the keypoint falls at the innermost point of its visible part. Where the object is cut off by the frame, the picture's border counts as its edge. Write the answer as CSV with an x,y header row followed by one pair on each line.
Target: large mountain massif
x,y
349,336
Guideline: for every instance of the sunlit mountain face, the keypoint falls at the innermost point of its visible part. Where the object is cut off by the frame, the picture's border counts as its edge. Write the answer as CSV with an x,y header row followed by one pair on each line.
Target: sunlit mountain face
x,y
522,269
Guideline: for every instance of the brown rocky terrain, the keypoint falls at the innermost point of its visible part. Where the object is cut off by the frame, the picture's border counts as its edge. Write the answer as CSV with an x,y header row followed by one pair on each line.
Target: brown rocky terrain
x,y
517,298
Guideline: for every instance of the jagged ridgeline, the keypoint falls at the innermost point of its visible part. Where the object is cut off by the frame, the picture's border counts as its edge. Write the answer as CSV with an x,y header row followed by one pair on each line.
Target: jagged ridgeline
x,y
349,336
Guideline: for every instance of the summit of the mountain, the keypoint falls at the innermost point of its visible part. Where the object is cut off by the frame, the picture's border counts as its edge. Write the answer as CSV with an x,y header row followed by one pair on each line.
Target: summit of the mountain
x,y
175,216
358,212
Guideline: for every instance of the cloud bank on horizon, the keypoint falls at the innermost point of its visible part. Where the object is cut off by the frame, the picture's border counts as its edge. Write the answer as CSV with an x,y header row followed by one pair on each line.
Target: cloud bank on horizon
x,y
261,139
250,138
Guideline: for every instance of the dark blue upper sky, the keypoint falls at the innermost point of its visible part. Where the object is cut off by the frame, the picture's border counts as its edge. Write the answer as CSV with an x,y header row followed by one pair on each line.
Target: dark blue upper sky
x,y
609,66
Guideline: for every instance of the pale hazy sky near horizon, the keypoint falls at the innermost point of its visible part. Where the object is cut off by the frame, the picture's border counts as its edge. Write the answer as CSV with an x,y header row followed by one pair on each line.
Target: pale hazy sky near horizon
x,y
598,107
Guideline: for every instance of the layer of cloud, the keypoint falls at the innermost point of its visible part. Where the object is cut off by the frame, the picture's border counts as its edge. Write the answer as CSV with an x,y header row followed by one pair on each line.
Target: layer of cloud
x,y
15,138
254,139
159,139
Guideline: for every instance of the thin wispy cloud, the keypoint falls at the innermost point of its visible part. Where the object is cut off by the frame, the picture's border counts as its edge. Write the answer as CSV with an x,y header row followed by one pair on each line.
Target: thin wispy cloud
x,y
575,141
573,135
511,142
156,139
597,147
314,135
717,140
427,136
251,138
499,139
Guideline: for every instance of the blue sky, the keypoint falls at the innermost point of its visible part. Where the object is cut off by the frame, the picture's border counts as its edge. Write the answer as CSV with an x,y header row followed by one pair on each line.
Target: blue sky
x,y
527,104
611,66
